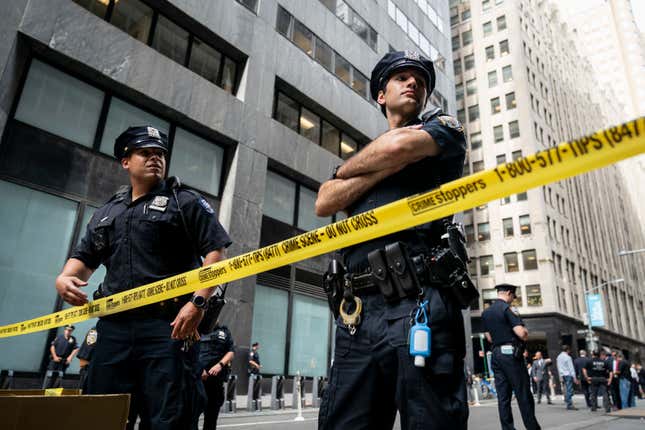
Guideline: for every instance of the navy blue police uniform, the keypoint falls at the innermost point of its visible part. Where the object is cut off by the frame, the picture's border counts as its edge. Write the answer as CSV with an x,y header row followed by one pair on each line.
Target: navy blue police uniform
x,y
373,373
84,355
508,363
598,372
212,348
161,234
64,348
253,356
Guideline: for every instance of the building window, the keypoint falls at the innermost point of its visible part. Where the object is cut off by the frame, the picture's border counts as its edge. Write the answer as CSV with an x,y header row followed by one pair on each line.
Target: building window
x,y
279,198
525,224
473,113
498,133
303,38
488,28
252,5
505,200
459,92
469,62
324,55
205,61
503,48
485,5
353,20
533,295
522,196
475,140
348,147
309,325
529,259
514,129
36,227
60,104
284,23
171,40
472,267
478,166
516,155
270,310
465,15
466,38
310,125
343,69
510,101
489,296
307,218
492,79
197,161
483,231
455,42
501,23
133,17
507,224
507,73
454,20
471,87
461,116
486,267
470,233
495,105
490,53
412,31
457,66
517,301
510,262
501,159
287,111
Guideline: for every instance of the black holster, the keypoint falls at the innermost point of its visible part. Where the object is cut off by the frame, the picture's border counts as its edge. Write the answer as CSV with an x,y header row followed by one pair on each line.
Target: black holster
x,y
447,269
394,272
333,284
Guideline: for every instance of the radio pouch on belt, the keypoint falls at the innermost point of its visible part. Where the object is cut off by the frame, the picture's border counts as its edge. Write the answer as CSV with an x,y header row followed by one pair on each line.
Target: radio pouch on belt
x,y
380,275
401,269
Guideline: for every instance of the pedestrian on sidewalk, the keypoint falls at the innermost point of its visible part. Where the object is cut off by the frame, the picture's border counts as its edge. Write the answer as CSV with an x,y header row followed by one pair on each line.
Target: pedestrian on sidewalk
x,y
540,377
579,363
598,375
567,373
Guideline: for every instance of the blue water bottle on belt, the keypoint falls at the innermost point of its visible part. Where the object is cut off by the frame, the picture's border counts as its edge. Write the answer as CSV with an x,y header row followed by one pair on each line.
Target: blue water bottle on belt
x,y
420,337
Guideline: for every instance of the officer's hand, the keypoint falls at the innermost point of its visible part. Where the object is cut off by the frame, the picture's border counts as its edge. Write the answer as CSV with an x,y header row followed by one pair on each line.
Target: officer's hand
x,y
187,321
69,360
215,370
204,375
68,289
57,359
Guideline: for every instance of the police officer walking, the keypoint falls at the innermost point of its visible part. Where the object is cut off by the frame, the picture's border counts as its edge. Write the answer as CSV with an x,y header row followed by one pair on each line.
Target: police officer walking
x,y
63,349
374,372
505,330
153,229
216,351
598,375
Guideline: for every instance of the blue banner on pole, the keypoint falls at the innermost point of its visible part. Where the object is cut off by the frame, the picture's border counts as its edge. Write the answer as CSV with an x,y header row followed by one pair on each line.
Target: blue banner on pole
x,y
596,313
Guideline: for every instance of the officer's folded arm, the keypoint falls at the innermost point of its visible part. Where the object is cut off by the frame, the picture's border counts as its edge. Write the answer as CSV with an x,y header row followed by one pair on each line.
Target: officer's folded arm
x,y
386,155
521,332
75,274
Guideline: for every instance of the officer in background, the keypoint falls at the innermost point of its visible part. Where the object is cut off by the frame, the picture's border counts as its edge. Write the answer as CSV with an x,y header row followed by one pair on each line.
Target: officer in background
x,y
505,330
598,375
216,351
84,355
254,365
373,372
153,229
580,363
63,349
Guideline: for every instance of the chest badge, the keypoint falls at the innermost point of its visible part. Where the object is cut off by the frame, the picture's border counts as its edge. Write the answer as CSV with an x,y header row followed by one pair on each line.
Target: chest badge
x,y
159,203
450,122
91,337
221,334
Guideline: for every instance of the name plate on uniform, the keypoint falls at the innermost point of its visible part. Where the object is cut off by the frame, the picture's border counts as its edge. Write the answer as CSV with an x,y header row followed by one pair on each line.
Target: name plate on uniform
x,y
507,349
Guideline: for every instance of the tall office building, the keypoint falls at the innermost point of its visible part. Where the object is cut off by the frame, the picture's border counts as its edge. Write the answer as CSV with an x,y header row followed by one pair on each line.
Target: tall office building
x,y
261,99
522,86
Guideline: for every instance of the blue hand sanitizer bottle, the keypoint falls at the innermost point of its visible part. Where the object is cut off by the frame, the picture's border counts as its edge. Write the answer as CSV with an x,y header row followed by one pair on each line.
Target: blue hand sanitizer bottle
x,y
420,337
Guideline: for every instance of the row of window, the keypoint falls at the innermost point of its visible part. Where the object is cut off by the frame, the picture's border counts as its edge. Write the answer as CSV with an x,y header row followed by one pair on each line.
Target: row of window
x,y
317,49
72,109
432,14
483,229
154,29
511,263
353,20
312,126
413,32
252,5
533,296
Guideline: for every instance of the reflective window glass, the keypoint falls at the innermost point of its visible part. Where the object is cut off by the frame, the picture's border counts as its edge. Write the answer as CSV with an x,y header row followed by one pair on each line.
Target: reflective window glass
x,y
466,38
170,39
279,198
55,102
501,159
510,262
498,133
514,129
287,112
475,140
228,75
342,69
522,196
310,125
495,105
529,259
533,295
307,219
483,231
525,224
503,48
473,113
507,73
348,147
330,137
205,61
492,79
309,336
488,28
360,83
510,101
324,54
196,161
36,230
459,92
457,66
507,224
134,17
470,234
490,53
471,87
478,166
469,61
97,7
284,22
303,37
269,329
501,23
122,115
486,267
251,4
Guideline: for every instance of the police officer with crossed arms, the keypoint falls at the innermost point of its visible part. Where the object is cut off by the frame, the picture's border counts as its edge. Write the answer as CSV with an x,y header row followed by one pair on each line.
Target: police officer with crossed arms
x,y
150,230
505,330
374,374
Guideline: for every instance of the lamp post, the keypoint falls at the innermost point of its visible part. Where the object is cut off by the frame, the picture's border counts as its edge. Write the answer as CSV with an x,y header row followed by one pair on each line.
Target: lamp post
x,y
591,343
624,252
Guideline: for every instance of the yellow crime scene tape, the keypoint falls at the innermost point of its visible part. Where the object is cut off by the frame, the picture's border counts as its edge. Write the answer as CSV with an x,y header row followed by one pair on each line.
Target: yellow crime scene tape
x,y
565,160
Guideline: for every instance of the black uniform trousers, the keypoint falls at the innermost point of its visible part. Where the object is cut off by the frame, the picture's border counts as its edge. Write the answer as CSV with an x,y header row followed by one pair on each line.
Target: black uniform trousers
x,y
614,390
584,386
511,376
373,375
543,388
214,386
139,357
598,387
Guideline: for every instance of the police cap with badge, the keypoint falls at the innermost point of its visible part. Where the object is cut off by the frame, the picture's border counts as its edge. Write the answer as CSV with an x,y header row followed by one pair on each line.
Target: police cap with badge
x,y
139,137
506,287
395,61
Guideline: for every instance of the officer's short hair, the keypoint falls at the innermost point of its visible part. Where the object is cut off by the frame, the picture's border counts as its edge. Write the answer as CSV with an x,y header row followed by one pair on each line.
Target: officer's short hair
x,y
255,344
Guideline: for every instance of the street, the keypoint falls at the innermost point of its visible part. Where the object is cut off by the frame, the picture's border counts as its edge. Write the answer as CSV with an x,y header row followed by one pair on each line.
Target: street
x,y
484,417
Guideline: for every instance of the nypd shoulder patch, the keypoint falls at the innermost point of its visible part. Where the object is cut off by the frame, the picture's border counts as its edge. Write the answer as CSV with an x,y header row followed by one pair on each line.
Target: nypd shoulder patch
x,y
450,122
207,207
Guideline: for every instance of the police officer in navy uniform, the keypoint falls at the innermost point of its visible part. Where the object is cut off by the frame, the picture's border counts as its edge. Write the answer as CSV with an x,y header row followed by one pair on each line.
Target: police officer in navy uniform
x,y
373,373
599,376
84,355
63,349
216,351
505,330
153,229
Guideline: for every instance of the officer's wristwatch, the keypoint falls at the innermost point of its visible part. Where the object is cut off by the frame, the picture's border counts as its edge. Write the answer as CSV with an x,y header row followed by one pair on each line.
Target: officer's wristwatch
x,y
198,301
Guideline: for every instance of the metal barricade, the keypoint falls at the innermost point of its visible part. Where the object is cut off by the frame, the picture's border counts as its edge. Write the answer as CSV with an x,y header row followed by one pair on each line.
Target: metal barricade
x,y
254,394
53,379
277,392
295,392
230,394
